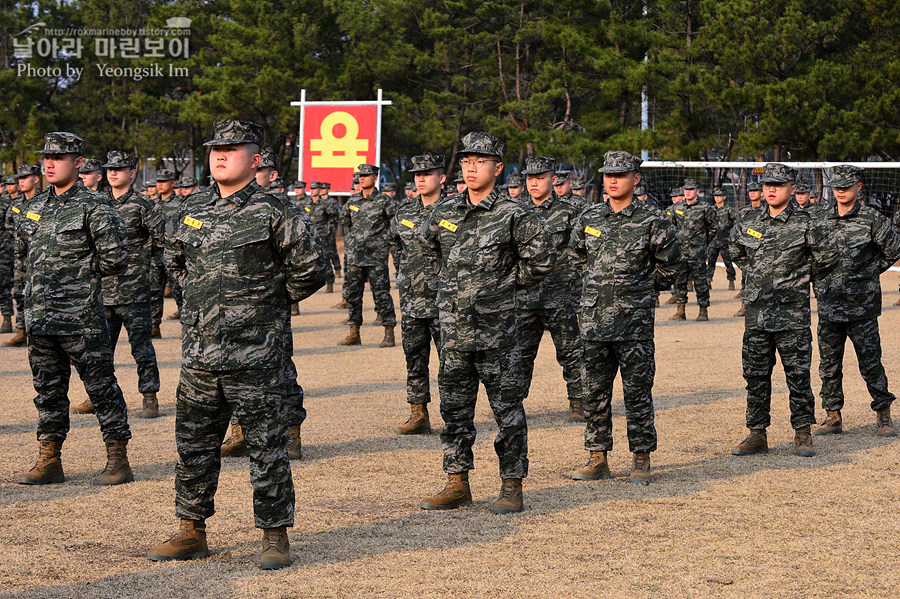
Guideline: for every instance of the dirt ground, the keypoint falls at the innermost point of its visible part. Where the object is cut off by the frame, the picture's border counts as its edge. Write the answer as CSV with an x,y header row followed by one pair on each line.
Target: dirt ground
x,y
710,525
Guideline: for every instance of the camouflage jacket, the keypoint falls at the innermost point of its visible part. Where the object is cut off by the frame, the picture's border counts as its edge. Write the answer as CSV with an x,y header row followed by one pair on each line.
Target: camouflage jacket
x,y
623,258
323,214
415,273
169,207
483,253
560,287
696,224
6,231
726,218
65,244
367,223
868,246
780,257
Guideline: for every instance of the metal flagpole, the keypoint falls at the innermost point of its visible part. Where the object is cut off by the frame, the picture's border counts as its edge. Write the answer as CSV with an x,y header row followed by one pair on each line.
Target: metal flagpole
x,y
302,104
378,132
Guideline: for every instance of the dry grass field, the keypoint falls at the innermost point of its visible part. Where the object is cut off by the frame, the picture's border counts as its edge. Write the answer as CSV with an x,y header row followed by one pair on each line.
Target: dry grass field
x,y
710,525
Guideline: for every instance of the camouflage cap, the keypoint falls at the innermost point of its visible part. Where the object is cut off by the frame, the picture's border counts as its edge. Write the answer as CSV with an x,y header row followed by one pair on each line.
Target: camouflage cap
x,y
62,142
11,180
426,162
718,191
151,182
459,179
803,188
367,169
690,184
389,186
410,187
618,161
578,184
845,175
676,191
186,182
299,184
89,165
538,165
563,173
315,185
775,172
324,185
119,159
754,186
639,190
815,194
165,174
26,170
479,142
514,181
356,177
229,132
278,183
268,159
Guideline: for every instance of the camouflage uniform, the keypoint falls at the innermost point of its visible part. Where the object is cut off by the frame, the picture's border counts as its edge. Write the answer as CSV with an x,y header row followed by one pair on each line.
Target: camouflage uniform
x,y
726,218
6,255
240,259
624,258
161,277
697,224
14,217
330,236
324,214
367,221
484,252
849,299
780,255
65,244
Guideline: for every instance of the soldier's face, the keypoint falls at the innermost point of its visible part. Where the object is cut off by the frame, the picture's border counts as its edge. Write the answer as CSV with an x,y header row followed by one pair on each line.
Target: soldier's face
x,y
367,182
690,195
720,200
461,187
778,194
620,186
265,176
152,191
541,186
754,195
28,184
428,183
562,187
120,178
514,192
847,195
233,164
61,169
803,199
12,189
164,187
91,180
480,172
580,192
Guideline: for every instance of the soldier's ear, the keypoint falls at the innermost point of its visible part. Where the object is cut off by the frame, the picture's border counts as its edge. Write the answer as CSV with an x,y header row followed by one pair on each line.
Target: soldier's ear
x,y
79,160
637,177
273,175
256,160
443,179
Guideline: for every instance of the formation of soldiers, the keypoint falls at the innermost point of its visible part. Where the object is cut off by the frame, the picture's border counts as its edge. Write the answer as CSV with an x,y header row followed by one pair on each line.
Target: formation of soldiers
x,y
483,270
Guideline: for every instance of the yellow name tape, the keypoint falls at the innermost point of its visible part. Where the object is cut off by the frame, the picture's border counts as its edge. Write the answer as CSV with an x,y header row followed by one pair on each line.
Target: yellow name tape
x,y
307,208
352,207
448,225
592,231
16,210
33,216
753,233
192,222
680,212
408,223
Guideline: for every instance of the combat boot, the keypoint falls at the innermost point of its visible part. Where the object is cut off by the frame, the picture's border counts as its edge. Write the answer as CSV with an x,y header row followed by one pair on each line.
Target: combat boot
x,y
418,422
885,426
337,272
832,425
352,338
342,305
378,319
18,339
741,311
596,468
276,550
897,303
679,313
704,314
6,327
47,469
151,405
155,333
85,407
803,443
167,292
576,411
329,287
510,499
640,472
235,445
690,286
757,442
709,283
188,543
730,285
737,295
455,494
388,340
295,309
174,315
118,470
295,446
671,300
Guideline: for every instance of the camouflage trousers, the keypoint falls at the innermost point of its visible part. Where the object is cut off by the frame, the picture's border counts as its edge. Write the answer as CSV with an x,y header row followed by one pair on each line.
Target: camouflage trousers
x,y
380,282
49,357
758,357
637,362
331,252
160,279
712,255
418,333
867,342
562,322
322,242
696,271
204,404
18,291
136,319
6,281
501,372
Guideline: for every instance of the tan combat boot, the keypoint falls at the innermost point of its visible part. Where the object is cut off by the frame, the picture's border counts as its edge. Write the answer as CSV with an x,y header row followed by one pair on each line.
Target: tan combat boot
x,y
741,311
337,272
596,468
118,470
329,287
151,405
378,319
757,442
6,327
47,469
671,300
679,313
235,445
576,411
188,543
352,338
885,426
832,425
18,339
737,295
455,494
276,550
295,309
418,422
803,443
704,314
295,446
155,333
342,305
510,499
388,340
730,285
85,407
709,283
640,472
174,315
897,303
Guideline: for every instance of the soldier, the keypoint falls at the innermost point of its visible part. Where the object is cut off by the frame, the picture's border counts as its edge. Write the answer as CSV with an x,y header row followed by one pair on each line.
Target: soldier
x,y
725,220
849,300
152,191
245,255
300,191
515,187
814,196
802,195
579,188
6,263
411,191
366,218
90,173
169,203
460,183
188,186
551,304
485,246
324,213
696,222
677,195
563,185
781,248
330,234
624,252
418,292
11,218
28,185
68,239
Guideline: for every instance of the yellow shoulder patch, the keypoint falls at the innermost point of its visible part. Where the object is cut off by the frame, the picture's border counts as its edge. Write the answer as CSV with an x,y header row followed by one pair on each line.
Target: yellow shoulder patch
x,y
352,207
679,212
33,216
16,210
192,222
307,208
408,223
754,233
448,225
592,231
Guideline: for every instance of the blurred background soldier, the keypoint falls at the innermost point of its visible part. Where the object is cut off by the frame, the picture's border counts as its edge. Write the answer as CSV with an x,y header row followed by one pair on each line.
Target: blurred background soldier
x,y
726,217
169,203
697,223
91,173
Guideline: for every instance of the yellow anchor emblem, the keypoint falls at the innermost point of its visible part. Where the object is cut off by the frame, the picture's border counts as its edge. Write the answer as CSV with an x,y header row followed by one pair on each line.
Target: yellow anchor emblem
x,y
338,152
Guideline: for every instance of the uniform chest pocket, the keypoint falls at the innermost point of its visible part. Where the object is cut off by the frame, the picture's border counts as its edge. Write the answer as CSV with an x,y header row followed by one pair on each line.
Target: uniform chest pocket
x,y
253,252
493,257
794,245
72,236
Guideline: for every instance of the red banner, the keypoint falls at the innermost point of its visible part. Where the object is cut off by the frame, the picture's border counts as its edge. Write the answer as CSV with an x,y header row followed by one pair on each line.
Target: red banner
x,y
336,140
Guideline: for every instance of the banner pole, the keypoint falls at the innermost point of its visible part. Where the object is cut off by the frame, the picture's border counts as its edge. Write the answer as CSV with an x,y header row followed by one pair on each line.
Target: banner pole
x,y
301,140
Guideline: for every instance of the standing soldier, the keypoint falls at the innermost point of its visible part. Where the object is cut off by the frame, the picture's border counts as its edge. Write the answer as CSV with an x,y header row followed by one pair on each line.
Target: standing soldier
x,y
802,196
418,292
367,220
126,295
330,233
563,185
410,190
6,264
68,239
240,254
696,223
849,300
27,184
152,191
725,220
460,183
11,218
514,189
169,203
579,189
485,246
90,173
188,186
626,252
781,248
324,213
550,305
